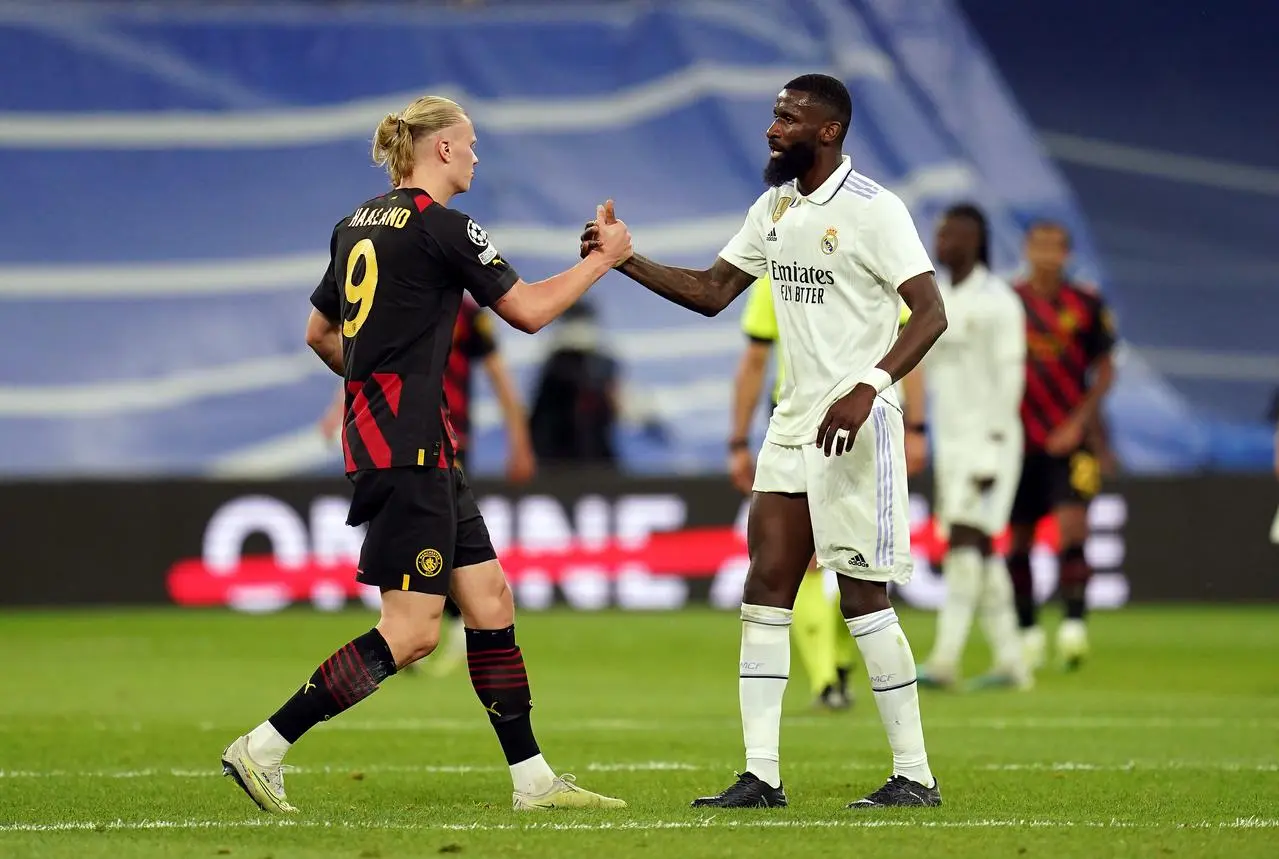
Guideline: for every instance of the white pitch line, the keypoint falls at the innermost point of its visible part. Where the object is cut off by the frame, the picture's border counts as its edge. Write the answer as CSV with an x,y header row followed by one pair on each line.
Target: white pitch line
x,y
638,825
650,766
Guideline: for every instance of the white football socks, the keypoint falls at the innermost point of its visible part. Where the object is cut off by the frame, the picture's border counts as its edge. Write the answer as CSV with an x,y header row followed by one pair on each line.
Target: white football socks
x,y
763,672
891,668
266,746
963,575
999,620
532,777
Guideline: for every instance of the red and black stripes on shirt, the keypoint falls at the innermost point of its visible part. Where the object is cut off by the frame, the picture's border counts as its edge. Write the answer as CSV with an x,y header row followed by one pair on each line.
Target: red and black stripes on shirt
x,y
1065,334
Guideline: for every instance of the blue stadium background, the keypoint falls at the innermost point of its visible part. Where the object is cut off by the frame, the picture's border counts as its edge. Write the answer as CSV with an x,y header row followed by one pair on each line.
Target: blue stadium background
x,y
171,173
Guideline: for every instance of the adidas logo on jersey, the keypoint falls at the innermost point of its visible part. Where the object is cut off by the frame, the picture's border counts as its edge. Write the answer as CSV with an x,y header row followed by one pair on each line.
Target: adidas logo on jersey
x,y
857,560
772,235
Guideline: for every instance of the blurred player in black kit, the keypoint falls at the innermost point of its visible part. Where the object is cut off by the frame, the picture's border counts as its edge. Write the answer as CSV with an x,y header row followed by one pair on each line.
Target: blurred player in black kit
x,y
1069,337
383,318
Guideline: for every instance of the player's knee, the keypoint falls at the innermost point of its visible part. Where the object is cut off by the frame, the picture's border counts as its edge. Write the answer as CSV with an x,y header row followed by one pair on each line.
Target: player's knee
x,y
1072,565
1019,571
968,537
772,581
857,597
410,623
486,599
409,642
766,591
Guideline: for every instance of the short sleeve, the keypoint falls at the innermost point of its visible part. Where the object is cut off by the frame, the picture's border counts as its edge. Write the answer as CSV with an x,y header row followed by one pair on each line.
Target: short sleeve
x,y
745,250
759,321
325,298
1103,333
468,251
481,340
891,249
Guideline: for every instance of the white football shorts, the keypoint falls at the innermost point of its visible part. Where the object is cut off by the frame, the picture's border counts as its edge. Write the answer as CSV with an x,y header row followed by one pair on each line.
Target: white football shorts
x,y
959,501
858,502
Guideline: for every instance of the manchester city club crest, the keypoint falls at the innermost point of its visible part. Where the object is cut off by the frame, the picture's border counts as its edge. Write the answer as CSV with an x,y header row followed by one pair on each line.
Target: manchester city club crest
x,y
830,241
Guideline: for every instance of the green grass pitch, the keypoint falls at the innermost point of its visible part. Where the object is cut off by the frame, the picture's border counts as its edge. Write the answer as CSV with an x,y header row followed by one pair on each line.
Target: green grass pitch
x,y
1166,744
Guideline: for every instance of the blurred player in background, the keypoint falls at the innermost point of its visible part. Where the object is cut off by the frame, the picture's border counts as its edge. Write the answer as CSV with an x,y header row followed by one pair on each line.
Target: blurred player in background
x,y
473,341
818,627
1069,337
976,373
383,318
842,254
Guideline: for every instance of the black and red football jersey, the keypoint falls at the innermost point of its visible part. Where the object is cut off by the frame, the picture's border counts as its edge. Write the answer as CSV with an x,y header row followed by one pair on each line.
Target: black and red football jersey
x,y
399,265
1064,336
473,340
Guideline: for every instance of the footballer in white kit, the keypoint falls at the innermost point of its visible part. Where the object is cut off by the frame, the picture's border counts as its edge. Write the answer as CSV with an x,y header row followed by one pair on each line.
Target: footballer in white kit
x,y
975,375
842,254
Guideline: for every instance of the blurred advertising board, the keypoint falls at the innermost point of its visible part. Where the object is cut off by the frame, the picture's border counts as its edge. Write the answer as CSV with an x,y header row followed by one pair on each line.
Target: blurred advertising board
x,y
590,541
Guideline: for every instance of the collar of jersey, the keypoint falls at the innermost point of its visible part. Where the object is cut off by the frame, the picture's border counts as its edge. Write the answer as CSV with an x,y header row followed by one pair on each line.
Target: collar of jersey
x,y
826,191
977,275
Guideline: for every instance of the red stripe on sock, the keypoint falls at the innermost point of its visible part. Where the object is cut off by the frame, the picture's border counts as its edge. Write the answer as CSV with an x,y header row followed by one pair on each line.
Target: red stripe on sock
x,y
363,667
327,671
351,674
490,678
493,656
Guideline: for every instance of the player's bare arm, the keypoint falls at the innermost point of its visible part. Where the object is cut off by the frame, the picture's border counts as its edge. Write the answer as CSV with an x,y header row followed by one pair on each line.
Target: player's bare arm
x,y
1103,376
324,336
927,322
520,463
707,292
1071,434
530,307
915,418
747,385
330,422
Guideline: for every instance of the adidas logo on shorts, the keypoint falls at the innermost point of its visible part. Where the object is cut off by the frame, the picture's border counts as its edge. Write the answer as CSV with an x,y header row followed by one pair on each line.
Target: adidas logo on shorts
x,y
857,560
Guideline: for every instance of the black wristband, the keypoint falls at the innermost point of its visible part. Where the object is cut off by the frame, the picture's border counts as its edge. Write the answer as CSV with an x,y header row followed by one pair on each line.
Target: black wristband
x,y
736,444
920,428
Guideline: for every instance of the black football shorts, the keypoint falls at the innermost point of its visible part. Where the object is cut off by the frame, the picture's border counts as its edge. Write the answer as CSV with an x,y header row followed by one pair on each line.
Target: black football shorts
x,y
423,523
1048,482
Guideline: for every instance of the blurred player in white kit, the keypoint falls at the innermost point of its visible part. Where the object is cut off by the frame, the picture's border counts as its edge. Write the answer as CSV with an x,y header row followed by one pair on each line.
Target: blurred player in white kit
x,y
975,379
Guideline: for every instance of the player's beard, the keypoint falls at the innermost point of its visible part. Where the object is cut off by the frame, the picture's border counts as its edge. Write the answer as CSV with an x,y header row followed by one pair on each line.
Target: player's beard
x,y
794,161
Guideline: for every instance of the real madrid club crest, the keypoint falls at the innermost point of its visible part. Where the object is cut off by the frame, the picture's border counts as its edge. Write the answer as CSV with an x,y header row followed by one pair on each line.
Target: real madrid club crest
x,y
830,241
783,203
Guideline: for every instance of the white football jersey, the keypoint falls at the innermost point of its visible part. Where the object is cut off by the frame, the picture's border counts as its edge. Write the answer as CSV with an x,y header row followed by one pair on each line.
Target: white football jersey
x,y
836,258
975,374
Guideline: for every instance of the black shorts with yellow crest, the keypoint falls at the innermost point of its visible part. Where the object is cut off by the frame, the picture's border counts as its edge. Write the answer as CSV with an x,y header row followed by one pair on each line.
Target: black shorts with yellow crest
x,y
1048,482
423,524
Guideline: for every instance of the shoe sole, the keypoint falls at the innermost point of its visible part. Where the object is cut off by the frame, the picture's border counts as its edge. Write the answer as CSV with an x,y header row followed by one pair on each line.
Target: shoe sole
x,y
870,806
599,805
697,803
229,769
746,807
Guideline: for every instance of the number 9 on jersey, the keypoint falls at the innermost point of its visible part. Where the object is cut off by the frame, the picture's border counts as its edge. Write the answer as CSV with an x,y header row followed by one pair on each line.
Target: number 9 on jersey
x,y
360,293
